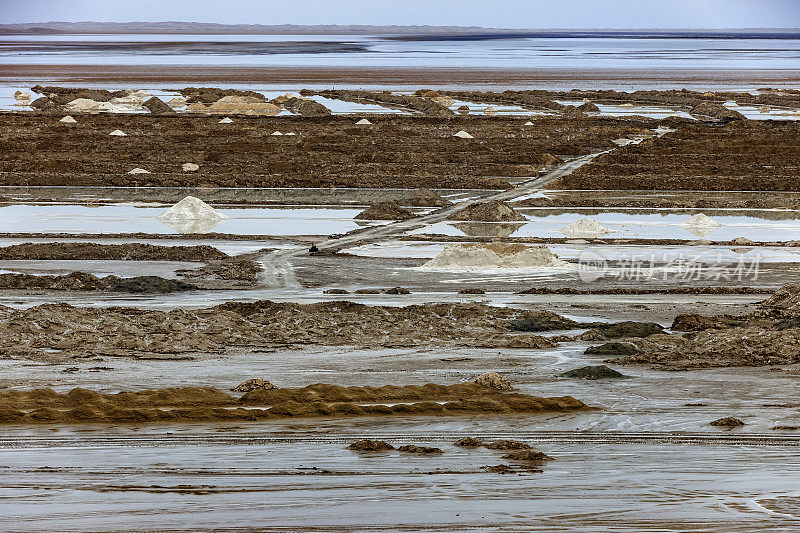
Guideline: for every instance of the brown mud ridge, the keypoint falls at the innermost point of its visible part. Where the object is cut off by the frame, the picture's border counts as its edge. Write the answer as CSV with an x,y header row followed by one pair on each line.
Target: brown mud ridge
x,y
413,103
768,336
666,290
82,281
38,150
55,332
385,211
681,99
121,252
45,406
736,242
492,211
743,155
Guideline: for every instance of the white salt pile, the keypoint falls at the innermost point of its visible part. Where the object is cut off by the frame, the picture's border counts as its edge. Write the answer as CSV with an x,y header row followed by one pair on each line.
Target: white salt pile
x,y
491,111
290,133
177,101
226,120
277,133
494,256
191,208
701,221
20,96
138,170
463,135
585,227
68,120
529,123
363,122
190,167
118,133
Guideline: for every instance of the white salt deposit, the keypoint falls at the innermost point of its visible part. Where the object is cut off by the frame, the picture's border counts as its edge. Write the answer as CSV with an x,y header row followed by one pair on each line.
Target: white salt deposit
x,y
68,120
494,256
20,96
529,123
463,135
277,133
190,167
363,122
701,221
585,227
191,208
82,105
290,133
138,170
118,133
177,101
226,120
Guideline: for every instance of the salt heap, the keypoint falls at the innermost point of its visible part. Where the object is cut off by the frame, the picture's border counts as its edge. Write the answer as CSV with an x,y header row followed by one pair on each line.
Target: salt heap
x,y
118,133
191,215
20,96
226,120
701,221
138,170
190,167
68,120
277,133
491,211
363,122
700,225
492,256
490,111
585,227
529,123
463,135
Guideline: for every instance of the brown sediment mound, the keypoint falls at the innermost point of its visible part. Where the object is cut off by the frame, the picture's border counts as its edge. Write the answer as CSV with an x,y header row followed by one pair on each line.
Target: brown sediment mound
x,y
335,291
254,384
695,322
492,211
390,210
191,404
550,160
209,95
93,251
64,95
472,290
667,290
369,445
589,107
602,331
82,281
422,105
729,422
157,106
536,321
593,372
397,290
612,348
468,442
506,444
413,448
716,112
784,303
306,107
245,270
493,380
527,455
118,331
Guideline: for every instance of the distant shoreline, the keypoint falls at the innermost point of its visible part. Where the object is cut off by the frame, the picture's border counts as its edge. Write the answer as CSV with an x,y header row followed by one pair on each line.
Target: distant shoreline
x,y
394,32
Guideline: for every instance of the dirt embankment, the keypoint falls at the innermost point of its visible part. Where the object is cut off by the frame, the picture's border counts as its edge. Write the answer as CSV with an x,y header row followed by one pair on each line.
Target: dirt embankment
x,y
125,252
82,281
45,406
37,150
59,331
768,336
417,104
750,155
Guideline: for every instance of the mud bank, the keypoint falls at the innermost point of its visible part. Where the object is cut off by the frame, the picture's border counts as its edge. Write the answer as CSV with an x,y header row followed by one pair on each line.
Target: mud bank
x,y
54,332
82,281
743,155
768,336
126,252
45,406
414,152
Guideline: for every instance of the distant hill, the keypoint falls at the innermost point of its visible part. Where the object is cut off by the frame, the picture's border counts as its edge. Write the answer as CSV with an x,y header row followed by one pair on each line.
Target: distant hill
x,y
410,32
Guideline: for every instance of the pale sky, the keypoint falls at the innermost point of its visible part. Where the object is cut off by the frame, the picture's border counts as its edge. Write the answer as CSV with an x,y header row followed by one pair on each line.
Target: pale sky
x,y
487,13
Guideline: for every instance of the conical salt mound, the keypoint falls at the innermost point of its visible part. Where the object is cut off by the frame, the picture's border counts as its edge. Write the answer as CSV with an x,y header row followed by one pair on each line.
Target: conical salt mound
x,y
495,255
138,170
701,221
118,133
68,120
585,227
226,120
529,123
191,208
364,122
277,133
463,135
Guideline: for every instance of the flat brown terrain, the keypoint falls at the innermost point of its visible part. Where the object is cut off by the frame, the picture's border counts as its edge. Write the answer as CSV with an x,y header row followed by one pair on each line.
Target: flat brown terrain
x,y
329,151
742,155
